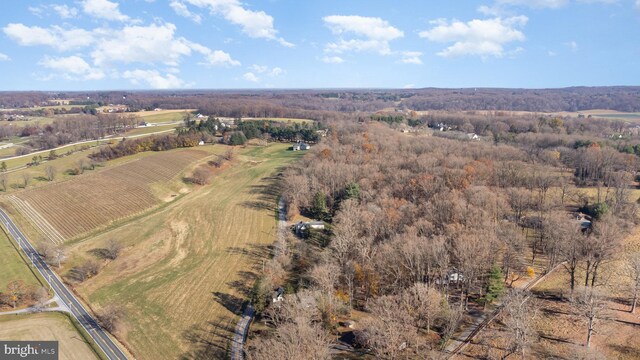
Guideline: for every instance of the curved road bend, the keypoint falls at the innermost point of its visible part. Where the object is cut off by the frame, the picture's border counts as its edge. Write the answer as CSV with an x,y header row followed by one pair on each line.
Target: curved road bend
x,y
97,333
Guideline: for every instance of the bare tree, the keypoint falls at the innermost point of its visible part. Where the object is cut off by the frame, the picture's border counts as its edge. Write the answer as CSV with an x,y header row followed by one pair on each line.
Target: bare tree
x,y
633,271
389,332
601,246
201,176
4,181
297,340
82,165
41,297
113,248
519,314
110,317
16,290
590,305
571,251
50,172
26,179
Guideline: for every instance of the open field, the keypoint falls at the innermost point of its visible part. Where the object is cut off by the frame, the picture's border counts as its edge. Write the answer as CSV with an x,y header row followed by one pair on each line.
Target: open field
x,y
186,269
47,327
162,115
150,129
13,265
70,208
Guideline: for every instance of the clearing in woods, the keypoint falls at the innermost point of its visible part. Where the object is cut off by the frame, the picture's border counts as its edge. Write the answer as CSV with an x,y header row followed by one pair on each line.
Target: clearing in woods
x,y
70,208
186,270
47,327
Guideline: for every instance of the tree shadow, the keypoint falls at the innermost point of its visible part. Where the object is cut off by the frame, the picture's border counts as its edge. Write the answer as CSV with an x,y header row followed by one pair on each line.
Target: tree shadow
x,y
230,302
209,340
102,254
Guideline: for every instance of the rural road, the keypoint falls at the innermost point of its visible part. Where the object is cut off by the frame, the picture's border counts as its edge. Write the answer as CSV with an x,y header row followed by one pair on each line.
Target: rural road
x,y
106,138
242,328
66,297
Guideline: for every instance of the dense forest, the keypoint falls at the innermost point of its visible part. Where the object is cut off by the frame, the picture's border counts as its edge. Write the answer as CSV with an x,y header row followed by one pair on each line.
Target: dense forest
x,y
426,229
295,103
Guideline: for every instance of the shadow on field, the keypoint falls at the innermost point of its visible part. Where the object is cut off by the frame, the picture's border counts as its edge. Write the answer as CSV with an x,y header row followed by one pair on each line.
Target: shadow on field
x,y
101,254
209,340
268,191
230,302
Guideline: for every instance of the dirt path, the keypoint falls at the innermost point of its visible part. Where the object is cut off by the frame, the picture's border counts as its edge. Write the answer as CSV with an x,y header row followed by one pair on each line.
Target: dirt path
x,y
242,328
457,344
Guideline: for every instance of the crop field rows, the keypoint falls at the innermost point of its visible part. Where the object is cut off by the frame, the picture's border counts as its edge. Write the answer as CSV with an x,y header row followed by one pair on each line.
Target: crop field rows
x,y
91,201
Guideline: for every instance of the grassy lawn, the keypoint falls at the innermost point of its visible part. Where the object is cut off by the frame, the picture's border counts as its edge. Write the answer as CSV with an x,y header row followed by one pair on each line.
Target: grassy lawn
x,y
163,115
187,268
150,129
13,265
47,327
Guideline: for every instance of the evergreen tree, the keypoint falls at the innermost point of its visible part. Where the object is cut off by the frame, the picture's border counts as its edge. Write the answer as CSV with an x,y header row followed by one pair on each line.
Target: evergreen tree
x,y
352,191
319,207
495,287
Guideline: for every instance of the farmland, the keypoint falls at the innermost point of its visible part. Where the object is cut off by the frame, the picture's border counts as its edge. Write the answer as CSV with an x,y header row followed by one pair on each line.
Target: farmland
x,y
47,327
13,265
186,269
70,208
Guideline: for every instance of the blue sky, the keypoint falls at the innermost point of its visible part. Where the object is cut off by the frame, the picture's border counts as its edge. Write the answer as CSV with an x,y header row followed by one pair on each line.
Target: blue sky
x,y
224,44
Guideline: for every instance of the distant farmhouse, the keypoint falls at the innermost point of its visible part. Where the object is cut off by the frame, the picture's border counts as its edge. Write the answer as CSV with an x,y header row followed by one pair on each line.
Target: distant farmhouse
x,y
301,146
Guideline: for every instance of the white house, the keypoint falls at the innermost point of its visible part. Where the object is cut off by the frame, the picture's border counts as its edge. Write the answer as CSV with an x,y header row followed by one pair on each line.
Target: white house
x,y
303,227
301,146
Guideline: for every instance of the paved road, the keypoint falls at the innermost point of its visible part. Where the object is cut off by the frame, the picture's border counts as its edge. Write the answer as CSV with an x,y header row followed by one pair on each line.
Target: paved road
x,y
99,335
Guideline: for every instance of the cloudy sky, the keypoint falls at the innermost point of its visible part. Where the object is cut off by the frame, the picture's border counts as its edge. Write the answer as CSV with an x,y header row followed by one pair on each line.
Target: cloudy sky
x,y
223,44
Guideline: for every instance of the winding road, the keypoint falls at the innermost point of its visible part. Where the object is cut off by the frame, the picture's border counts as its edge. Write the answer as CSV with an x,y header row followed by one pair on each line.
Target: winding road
x,y
66,297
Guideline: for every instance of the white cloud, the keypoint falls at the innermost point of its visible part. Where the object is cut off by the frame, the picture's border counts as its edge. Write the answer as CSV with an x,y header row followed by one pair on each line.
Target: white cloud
x,y
411,57
476,37
256,24
220,58
259,68
153,79
572,45
56,37
637,4
4,57
409,86
372,34
144,44
182,10
71,68
333,60
535,4
551,53
276,71
65,11
104,9
251,77
263,69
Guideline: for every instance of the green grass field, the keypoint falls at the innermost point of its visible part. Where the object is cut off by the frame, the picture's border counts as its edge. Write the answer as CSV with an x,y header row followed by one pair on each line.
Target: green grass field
x,y
163,115
13,265
150,129
187,268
